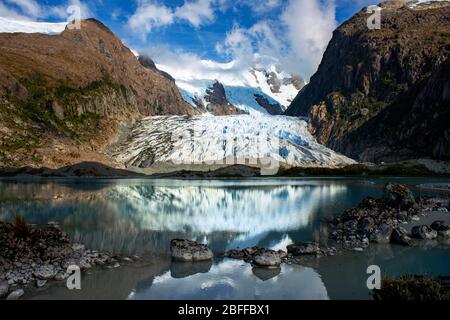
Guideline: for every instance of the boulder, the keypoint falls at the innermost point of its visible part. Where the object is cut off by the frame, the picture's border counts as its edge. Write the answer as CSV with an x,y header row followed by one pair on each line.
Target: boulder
x,y
187,250
444,234
439,225
267,258
423,232
397,195
399,236
305,248
16,294
45,272
382,233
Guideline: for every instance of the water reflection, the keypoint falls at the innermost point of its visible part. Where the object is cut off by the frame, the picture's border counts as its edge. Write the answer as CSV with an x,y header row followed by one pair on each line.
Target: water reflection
x,y
143,217
229,279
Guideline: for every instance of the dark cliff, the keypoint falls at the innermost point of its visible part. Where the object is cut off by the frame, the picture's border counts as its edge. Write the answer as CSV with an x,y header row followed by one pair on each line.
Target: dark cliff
x,y
384,95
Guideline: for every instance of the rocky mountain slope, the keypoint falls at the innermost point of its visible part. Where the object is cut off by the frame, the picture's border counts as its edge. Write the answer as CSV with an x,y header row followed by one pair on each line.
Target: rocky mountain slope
x,y
384,95
63,97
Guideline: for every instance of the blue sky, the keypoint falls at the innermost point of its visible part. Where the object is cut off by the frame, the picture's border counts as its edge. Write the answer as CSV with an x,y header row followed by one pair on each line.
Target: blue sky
x,y
294,32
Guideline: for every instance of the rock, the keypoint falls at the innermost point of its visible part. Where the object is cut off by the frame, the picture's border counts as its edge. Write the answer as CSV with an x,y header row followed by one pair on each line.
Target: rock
x,y
45,272
398,195
423,232
382,234
16,294
444,234
234,254
41,283
439,225
187,250
267,259
306,248
61,276
4,289
399,236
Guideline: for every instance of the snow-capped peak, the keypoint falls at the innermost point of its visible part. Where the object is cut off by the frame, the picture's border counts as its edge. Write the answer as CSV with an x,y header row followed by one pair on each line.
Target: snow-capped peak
x,y
243,86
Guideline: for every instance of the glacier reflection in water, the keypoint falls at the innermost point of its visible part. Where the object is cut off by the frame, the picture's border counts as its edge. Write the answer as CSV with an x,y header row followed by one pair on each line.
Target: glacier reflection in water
x,y
142,216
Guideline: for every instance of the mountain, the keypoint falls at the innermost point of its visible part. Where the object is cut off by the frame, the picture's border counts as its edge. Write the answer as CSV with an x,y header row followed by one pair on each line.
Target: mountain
x,y
384,95
256,90
169,143
64,97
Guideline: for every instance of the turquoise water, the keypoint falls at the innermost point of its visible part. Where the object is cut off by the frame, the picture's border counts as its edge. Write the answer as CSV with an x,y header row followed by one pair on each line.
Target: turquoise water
x,y
141,216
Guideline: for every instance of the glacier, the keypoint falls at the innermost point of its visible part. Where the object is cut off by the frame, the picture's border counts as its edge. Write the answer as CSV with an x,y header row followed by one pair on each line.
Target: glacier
x,y
205,141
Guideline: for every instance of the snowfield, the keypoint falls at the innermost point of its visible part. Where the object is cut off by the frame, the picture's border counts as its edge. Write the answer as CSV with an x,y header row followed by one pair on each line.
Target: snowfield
x,y
11,26
261,140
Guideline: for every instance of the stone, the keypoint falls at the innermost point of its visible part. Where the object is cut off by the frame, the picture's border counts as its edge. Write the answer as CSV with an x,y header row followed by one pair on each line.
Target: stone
x,y
267,259
382,234
16,294
444,234
305,248
439,225
399,236
187,250
45,272
4,289
423,232
398,195
40,283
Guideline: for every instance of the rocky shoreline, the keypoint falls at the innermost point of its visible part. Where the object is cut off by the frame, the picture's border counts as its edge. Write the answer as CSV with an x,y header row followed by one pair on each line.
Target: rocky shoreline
x,y
382,220
35,256
374,221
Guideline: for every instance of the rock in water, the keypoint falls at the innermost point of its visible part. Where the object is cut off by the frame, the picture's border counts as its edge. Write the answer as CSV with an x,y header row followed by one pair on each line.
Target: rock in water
x,y
399,236
4,289
382,234
439,225
16,294
306,248
187,250
267,258
398,195
423,232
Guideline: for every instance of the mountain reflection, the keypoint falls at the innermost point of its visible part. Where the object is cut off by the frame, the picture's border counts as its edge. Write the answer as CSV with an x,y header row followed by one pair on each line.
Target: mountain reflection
x,y
143,217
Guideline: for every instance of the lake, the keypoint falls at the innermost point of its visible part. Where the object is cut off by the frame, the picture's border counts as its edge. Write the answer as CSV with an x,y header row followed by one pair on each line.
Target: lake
x,y
141,216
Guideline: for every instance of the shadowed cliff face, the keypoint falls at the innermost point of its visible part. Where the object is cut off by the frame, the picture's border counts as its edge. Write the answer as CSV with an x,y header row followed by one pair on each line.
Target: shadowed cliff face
x,y
63,97
218,103
383,95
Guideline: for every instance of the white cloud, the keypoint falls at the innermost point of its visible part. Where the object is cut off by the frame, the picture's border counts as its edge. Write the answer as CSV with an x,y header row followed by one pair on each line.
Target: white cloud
x,y
30,10
150,14
197,12
309,27
29,7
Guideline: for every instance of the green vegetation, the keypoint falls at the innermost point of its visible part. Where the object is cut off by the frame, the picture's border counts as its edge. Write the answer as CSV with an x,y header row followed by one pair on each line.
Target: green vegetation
x,y
413,288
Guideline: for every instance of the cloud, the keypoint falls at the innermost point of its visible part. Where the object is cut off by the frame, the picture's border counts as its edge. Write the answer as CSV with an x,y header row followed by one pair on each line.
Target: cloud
x,y
309,27
295,39
150,14
197,12
31,10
